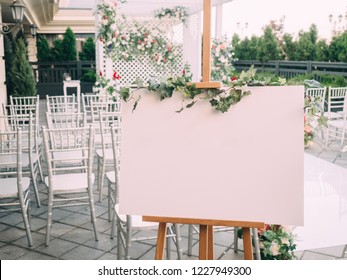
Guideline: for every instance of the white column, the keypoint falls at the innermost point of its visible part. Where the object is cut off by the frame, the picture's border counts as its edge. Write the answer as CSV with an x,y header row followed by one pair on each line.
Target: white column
x,y
219,21
3,90
192,45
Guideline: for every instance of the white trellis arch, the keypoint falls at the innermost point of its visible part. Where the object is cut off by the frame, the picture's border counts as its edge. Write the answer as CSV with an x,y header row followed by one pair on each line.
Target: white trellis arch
x,y
187,37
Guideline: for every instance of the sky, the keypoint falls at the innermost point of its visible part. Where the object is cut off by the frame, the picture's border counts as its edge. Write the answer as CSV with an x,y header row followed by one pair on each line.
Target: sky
x,y
299,15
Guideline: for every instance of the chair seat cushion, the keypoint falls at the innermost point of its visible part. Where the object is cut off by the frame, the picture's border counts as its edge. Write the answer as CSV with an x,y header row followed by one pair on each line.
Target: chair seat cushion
x,y
136,220
9,186
111,177
69,182
108,154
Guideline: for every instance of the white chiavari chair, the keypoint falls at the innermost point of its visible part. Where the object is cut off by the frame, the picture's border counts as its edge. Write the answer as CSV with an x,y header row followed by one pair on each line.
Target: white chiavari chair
x,y
14,187
69,184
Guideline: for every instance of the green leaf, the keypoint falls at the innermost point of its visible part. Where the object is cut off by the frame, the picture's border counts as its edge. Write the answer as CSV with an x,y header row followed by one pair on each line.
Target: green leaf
x,y
191,104
136,103
138,82
124,92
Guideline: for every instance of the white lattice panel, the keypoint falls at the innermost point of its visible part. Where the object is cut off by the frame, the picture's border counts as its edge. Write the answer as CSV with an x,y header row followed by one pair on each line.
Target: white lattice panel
x,y
143,68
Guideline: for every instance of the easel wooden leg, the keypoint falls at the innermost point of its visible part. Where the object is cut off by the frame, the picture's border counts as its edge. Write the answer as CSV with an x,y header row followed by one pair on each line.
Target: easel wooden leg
x,y
210,254
247,243
203,236
159,252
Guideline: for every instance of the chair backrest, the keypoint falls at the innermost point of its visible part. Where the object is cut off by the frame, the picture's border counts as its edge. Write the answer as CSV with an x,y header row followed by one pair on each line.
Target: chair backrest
x,y
105,106
11,155
336,97
65,120
316,92
109,121
61,104
27,124
25,104
86,103
77,145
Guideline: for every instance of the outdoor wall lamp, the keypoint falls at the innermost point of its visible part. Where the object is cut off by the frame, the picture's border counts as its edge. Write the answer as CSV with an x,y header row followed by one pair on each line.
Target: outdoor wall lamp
x,y
33,30
17,8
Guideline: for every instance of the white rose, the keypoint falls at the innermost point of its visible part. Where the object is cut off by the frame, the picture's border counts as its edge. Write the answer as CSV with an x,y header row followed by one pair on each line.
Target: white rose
x,y
274,248
285,241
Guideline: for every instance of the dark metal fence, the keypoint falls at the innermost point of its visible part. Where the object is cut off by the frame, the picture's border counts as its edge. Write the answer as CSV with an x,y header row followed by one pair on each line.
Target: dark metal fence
x,y
290,69
49,76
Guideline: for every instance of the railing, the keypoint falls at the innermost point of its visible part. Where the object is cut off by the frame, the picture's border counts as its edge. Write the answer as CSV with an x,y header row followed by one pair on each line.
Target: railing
x,y
49,76
289,69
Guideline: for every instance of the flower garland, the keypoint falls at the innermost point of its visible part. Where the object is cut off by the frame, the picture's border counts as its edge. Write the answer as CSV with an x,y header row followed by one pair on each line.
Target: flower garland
x,y
128,42
221,99
106,86
180,13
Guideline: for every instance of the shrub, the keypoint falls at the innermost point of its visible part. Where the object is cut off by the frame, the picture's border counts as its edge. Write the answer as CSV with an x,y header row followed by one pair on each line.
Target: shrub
x,y
22,75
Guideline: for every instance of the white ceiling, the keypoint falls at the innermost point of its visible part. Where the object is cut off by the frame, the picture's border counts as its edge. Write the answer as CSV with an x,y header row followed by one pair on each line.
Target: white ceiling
x,y
50,19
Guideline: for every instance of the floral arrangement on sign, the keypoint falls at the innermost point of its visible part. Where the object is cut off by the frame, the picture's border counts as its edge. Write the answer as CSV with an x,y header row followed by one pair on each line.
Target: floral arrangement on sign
x,y
222,56
221,99
180,13
130,41
276,242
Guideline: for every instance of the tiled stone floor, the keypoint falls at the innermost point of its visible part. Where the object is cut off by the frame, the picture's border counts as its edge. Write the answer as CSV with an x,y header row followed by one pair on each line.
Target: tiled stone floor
x,y
73,239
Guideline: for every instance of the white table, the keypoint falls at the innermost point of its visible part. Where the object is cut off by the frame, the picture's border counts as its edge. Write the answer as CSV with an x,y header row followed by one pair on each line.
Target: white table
x,y
325,223
74,84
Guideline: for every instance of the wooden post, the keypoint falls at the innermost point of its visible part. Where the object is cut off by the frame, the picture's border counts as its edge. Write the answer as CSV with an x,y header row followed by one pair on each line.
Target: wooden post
x,y
206,50
206,42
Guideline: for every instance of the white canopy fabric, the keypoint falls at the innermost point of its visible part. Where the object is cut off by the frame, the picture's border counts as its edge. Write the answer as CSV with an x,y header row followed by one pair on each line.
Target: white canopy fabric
x,y
146,7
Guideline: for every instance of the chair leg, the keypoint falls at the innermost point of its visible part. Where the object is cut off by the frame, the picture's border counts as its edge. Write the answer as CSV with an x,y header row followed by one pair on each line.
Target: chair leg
x,y
119,241
92,212
129,234
49,216
113,225
40,169
34,180
236,239
256,244
178,241
190,240
168,247
101,177
26,216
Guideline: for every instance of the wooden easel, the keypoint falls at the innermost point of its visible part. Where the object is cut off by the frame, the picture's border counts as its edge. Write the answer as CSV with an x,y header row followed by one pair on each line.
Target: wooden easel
x,y
206,226
206,234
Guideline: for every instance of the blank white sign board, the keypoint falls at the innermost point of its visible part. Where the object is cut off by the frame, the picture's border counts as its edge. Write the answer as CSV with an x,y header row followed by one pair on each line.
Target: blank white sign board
x,y
242,165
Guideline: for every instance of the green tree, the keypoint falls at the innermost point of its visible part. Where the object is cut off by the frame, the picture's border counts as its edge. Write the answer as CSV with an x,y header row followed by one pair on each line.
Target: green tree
x,y
57,50
306,44
68,46
322,52
88,50
268,48
9,48
44,52
289,47
338,48
22,74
